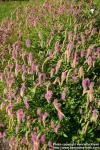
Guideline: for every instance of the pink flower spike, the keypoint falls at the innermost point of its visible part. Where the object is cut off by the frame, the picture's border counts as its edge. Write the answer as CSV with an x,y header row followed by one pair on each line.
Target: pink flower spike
x,y
63,94
30,58
42,139
34,137
23,88
60,115
28,43
17,69
57,47
20,115
63,76
33,68
74,78
58,65
86,83
39,112
95,115
82,53
24,68
26,103
41,77
56,128
48,96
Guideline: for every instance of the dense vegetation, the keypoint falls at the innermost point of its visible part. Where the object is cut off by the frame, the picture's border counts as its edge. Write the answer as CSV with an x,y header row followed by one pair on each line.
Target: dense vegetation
x,y
50,75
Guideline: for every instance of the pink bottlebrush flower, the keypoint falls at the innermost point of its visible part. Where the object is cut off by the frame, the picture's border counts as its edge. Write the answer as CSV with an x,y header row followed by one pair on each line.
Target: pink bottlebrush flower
x,y
12,141
16,46
63,76
36,142
17,128
58,65
34,137
50,145
28,43
68,51
70,36
49,53
2,134
57,106
91,85
89,61
39,112
61,10
22,90
42,139
88,52
86,83
24,70
52,72
23,55
60,115
81,72
30,58
63,94
91,94
75,60
95,115
57,128
82,53
26,102
41,77
17,69
10,95
33,68
57,47
44,116
20,115
9,110
9,82
70,45
74,78
48,96
52,124
52,33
